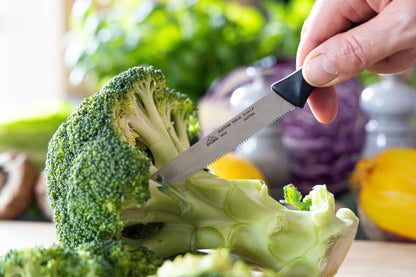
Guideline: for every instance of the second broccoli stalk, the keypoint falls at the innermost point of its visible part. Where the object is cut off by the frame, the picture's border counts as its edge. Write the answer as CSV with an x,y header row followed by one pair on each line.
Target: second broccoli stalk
x,y
206,211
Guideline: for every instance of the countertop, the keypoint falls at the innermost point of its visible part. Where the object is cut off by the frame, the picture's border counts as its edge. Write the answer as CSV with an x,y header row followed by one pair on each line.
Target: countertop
x,y
365,258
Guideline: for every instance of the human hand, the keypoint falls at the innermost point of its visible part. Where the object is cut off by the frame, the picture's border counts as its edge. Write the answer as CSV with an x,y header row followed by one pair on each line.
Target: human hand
x,y
342,38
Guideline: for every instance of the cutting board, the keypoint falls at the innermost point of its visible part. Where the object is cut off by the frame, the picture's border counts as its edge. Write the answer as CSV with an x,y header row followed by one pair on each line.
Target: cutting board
x,y
380,259
365,258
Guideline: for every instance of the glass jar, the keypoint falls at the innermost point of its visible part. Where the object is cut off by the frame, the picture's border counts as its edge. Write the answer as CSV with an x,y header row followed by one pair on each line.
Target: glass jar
x,y
389,105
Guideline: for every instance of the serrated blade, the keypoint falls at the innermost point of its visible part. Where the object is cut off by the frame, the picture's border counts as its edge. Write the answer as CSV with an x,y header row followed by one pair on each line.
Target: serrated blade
x,y
225,138
241,127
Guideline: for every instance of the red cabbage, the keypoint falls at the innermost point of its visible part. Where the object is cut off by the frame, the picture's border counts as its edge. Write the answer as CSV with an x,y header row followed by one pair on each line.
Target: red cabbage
x,y
326,153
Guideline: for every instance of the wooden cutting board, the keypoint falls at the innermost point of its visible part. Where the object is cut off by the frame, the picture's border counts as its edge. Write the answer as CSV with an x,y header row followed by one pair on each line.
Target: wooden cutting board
x,y
380,259
365,258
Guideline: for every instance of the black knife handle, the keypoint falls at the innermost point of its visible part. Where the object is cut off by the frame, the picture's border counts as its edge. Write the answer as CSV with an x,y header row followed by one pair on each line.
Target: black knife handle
x,y
294,89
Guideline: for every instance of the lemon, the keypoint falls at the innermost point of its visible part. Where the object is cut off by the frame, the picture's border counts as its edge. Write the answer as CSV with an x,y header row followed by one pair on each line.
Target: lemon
x,y
234,167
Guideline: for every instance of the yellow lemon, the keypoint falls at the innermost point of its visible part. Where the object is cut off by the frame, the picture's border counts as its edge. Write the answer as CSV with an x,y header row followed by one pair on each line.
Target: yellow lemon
x,y
233,167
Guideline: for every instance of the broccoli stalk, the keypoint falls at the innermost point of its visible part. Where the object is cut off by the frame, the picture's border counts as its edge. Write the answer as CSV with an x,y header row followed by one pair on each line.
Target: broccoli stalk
x,y
98,167
207,212
155,117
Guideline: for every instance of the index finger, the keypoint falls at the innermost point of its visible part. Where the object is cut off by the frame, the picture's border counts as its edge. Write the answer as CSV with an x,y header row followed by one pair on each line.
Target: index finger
x,y
330,17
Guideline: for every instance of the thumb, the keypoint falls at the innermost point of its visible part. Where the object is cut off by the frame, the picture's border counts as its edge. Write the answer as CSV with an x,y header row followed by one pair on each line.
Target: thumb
x,y
372,43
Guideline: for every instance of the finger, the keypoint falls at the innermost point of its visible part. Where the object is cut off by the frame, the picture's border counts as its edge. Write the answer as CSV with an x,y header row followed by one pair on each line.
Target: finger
x,y
398,62
330,17
324,104
347,54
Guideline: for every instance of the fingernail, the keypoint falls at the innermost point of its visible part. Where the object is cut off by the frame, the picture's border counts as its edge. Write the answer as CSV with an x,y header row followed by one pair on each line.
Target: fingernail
x,y
319,71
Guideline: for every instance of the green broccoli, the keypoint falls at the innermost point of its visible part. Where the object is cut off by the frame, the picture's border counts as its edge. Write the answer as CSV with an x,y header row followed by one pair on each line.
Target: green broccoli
x,y
99,160
218,263
98,167
106,258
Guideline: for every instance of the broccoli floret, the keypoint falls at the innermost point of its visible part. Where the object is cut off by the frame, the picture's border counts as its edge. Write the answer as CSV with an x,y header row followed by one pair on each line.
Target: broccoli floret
x,y
123,258
106,258
98,168
217,263
56,260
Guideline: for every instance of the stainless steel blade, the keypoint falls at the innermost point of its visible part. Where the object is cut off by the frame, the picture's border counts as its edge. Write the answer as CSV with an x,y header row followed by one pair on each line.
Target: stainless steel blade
x,y
225,138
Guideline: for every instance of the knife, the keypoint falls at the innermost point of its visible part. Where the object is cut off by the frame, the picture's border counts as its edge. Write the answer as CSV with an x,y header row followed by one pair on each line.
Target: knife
x,y
284,96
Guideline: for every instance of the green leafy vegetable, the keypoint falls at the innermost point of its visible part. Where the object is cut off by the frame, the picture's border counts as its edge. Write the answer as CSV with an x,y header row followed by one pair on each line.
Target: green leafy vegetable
x,y
32,134
294,197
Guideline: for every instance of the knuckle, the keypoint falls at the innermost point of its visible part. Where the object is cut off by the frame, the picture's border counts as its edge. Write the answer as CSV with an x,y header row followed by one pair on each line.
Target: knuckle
x,y
355,53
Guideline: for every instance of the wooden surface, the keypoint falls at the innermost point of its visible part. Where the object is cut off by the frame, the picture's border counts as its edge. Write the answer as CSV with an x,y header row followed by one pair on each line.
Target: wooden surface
x,y
366,258
20,234
381,259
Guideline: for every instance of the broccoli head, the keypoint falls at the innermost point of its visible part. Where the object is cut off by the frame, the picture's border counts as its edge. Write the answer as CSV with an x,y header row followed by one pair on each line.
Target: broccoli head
x,y
105,258
99,160
98,167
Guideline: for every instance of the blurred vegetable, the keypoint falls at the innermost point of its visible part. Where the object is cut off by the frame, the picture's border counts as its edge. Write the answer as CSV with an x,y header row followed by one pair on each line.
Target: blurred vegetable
x,y
17,180
233,167
42,198
326,153
192,42
32,134
386,189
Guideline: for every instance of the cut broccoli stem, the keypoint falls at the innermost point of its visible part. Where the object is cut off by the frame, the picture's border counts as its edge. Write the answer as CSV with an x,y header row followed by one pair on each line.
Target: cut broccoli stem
x,y
205,211
213,213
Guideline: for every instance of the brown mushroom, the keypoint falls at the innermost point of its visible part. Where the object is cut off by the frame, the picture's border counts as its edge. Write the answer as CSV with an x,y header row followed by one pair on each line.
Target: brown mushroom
x,y
41,196
17,181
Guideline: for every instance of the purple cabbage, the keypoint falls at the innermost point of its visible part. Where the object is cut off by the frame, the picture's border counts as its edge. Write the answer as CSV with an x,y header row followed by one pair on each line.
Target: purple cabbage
x,y
326,153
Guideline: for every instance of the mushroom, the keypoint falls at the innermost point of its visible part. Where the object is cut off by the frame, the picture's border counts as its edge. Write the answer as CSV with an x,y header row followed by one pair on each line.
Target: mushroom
x,y
41,196
17,181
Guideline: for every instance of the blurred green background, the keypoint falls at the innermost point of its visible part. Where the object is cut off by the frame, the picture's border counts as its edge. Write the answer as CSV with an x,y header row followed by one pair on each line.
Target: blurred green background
x,y
192,41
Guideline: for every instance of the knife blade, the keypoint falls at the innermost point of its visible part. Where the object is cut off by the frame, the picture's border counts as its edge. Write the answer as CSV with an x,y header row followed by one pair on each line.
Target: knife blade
x,y
284,96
